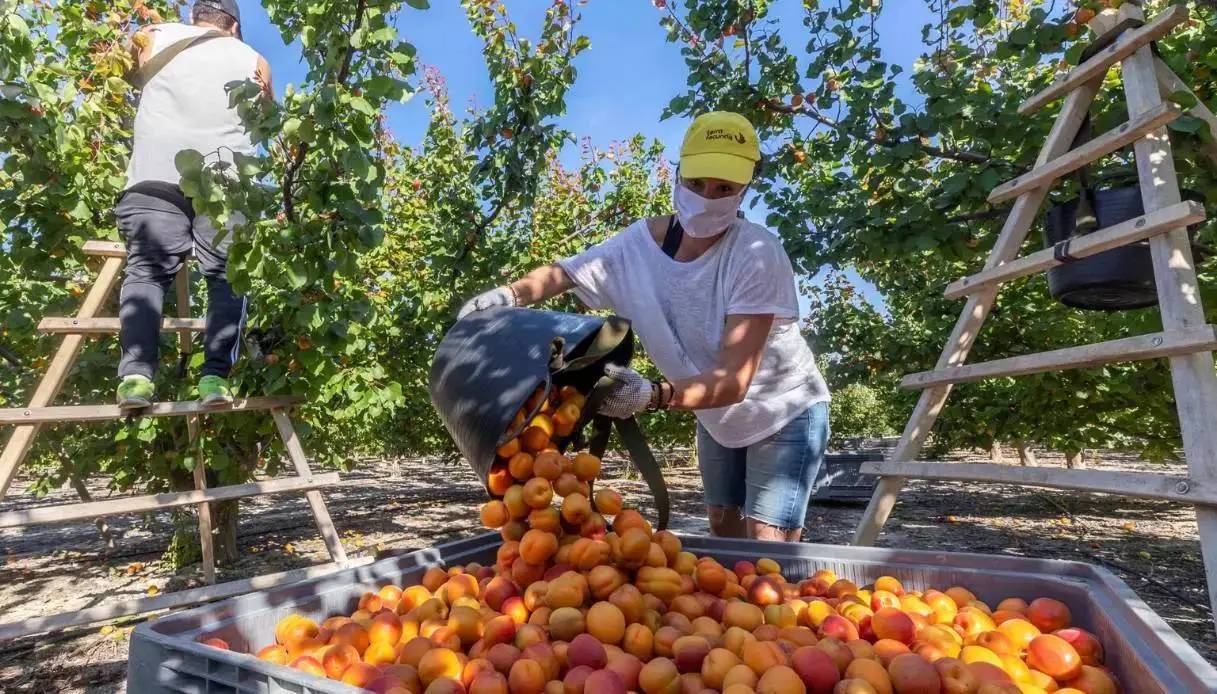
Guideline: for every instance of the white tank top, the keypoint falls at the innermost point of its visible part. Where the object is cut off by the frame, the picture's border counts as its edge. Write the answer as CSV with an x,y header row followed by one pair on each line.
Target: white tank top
x,y
185,104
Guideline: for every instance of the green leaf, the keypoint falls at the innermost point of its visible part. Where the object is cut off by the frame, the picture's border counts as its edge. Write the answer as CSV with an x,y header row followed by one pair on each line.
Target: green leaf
x,y
189,163
1184,98
419,4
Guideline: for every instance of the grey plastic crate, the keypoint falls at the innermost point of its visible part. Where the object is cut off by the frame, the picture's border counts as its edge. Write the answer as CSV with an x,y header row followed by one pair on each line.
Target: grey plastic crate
x,y
841,479
1145,653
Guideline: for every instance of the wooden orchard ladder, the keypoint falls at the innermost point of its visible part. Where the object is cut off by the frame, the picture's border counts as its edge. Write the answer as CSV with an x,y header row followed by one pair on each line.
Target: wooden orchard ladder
x,y
1186,340
27,421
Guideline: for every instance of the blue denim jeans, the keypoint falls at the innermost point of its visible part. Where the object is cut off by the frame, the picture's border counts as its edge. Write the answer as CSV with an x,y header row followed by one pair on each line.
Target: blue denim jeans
x,y
771,480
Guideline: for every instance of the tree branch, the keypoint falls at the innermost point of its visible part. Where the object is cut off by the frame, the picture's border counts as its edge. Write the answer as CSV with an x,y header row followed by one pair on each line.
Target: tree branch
x,y
976,216
293,168
956,155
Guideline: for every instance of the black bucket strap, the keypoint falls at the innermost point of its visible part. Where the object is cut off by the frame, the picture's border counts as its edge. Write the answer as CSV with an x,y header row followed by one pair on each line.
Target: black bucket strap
x,y
640,453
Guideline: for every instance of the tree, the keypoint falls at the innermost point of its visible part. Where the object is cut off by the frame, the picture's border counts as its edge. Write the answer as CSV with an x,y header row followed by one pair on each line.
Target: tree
x,y
895,189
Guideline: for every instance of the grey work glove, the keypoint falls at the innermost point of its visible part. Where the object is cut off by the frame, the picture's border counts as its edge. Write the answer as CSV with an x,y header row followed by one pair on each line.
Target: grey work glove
x,y
629,393
499,296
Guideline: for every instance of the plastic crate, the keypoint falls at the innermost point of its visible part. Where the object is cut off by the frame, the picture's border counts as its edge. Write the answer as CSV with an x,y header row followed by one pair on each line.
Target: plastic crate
x,y
841,480
1145,653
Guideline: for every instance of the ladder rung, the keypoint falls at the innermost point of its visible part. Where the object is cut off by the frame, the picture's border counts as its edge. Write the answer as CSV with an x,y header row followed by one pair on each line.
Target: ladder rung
x,y
111,325
1136,484
1149,346
110,249
1099,147
1125,45
156,502
1137,229
98,413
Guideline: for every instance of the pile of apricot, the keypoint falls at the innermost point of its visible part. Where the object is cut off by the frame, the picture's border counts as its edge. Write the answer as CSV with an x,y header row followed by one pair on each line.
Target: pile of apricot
x,y
578,603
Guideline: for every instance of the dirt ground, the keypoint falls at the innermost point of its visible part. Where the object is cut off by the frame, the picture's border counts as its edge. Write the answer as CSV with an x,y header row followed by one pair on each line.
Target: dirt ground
x,y
414,503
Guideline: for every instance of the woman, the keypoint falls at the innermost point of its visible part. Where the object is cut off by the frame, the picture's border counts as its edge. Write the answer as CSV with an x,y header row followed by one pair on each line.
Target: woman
x,y
712,297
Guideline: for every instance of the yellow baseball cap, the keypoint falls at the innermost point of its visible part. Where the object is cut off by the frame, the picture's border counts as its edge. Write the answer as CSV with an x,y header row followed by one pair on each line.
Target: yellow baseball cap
x,y
720,144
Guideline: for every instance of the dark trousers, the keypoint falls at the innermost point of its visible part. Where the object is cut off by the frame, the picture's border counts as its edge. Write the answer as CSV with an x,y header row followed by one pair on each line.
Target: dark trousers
x,y
160,228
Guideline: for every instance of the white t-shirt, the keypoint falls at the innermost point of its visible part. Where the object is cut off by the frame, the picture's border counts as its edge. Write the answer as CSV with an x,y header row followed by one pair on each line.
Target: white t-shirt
x,y
679,309
186,106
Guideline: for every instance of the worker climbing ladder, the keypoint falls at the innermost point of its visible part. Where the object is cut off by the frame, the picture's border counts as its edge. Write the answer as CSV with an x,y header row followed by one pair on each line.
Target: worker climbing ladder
x,y
1186,339
27,421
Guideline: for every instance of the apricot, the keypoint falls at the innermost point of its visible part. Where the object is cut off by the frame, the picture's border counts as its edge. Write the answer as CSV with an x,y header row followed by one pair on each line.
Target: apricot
x,y
1053,656
956,676
584,649
838,651
1048,615
546,519
537,434
764,591
630,518
526,573
294,629
494,514
499,479
842,587
575,681
566,623
526,677
639,642
544,654
817,670
743,615
309,664
502,656
608,502
659,676
854,686
1088,647
381,654
520,466
762,655
606,622
547,465
838,627
594,527
872,673
360,675
861,648
780,680
489,683
887,650
1019,632
912,675
1093,680
352,634
586,466
576,509
537,546
629,600
972,622
568,484
962,596
892,623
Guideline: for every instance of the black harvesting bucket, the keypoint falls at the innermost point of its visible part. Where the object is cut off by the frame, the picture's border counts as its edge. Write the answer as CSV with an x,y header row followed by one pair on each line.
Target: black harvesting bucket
x,y
491,361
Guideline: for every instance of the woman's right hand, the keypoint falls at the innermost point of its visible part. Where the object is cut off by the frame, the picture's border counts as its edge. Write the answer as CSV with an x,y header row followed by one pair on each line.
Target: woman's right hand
x,y
499,296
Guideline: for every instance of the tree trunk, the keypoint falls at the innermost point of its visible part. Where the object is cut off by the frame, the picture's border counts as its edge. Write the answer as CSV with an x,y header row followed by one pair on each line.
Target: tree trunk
x,y
1026,456
1073,460
995,453
224,521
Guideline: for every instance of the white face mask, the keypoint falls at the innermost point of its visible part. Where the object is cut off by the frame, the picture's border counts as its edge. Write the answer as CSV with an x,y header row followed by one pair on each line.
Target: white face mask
x,y
703,218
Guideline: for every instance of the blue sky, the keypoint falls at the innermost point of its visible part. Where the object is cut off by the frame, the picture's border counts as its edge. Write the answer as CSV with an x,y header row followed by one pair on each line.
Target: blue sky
x,y
625,78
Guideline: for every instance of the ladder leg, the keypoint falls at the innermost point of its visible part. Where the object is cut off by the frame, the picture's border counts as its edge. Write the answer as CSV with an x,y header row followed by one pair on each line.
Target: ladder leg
x,y
1005,249
1192,375
206,536
18,446
186,345
322,515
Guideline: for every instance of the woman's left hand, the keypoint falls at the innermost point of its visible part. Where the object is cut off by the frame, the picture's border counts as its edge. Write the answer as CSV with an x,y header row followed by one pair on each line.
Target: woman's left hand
x,y
629,393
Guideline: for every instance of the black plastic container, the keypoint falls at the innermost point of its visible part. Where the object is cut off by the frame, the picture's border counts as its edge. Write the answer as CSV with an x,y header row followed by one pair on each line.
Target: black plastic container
x,y
491,361
1115,280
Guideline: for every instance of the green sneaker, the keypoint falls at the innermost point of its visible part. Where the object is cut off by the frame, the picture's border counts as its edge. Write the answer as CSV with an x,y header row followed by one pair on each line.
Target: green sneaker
x,y
134,392
214,391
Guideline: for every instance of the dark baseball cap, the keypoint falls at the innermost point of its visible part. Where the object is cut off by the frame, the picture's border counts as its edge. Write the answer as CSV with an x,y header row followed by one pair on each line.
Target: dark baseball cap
x,y
228,7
